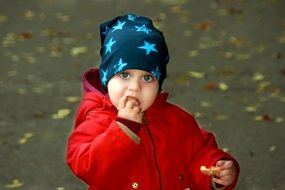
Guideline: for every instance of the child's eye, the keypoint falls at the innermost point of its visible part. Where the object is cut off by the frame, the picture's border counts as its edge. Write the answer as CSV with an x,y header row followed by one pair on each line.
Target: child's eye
x,y
124,75
148,78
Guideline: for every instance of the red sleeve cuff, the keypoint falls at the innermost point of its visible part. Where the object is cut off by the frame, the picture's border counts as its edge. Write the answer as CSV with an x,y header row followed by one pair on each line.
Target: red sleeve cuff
x,y
132,125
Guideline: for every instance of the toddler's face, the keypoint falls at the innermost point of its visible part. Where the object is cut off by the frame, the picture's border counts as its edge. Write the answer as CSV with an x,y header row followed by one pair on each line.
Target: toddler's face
x,y
135,83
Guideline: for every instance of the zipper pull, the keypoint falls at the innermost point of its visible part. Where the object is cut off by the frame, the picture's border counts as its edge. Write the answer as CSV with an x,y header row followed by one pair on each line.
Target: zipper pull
x,y
144,120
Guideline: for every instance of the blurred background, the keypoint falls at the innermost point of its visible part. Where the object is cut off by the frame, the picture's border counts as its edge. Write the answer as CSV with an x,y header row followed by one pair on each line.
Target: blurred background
x,y
226,67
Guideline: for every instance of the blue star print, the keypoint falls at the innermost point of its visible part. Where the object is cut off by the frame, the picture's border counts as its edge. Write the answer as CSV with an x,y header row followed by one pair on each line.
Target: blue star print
x,y
132,17
104,78
119,66
156,73
119,26
109,45
143,28
148,47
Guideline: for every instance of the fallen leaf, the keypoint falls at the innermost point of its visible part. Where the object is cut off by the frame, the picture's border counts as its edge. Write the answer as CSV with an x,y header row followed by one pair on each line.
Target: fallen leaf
x,y
23,141
223,86
278,119
211,86
76,51
229,55
263,85
221,117
15,57
225,149
62,113
22,91
198,75
199,114
188,33
258,118
182,80
205,104
176,9
243,56
9,40
56,51
29,14
193,53
3,19
29,135
258,77
14,184
266,117
251,108
272,148
205,25
275,93
237,41
38,90
72,99
29,58
39,114
26,137
162,16
26,35
63,18
233,10
157,22
12,73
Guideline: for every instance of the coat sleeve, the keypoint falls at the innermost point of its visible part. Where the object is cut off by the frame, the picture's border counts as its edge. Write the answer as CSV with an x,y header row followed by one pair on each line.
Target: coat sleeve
x,y
98,150
205,152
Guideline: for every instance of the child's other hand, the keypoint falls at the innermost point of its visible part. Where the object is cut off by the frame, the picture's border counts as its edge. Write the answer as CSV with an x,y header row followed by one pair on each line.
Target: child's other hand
x,y
227,174
129,108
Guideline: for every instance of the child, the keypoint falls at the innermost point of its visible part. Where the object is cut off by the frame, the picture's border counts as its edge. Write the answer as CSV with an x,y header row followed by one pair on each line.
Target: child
x,y
126,135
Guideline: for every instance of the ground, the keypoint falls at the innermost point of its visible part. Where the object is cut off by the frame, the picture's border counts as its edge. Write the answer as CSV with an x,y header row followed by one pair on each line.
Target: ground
x,y
226,67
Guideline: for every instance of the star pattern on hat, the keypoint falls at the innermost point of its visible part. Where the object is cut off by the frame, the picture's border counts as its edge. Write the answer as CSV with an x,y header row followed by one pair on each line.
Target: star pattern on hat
x,y
132,17
156,73
119,66
109,45
143,28
104,77
119,26
148,47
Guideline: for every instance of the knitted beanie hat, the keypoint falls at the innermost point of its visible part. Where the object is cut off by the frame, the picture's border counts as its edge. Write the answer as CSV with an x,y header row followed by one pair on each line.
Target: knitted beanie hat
x,y
132,42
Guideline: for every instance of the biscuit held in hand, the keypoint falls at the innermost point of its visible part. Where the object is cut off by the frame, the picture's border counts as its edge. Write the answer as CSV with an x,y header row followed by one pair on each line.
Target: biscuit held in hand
x,y
211,171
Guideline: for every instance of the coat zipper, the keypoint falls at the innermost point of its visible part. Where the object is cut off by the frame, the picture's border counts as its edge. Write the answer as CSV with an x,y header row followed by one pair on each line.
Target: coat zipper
x,y
154,154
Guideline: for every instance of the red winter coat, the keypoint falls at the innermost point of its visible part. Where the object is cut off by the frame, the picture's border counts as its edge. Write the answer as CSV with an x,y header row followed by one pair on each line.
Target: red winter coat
x,y
167,153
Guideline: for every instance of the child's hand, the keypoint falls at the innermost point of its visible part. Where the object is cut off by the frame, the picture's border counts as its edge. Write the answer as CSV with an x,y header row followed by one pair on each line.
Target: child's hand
x,y
228,173
129,108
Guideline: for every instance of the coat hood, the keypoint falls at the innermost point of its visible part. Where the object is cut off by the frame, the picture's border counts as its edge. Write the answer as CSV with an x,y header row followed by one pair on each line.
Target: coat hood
x,y
91,82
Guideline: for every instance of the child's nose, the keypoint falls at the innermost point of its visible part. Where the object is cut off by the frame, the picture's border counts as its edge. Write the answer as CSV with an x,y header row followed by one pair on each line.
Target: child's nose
x,y
135,85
